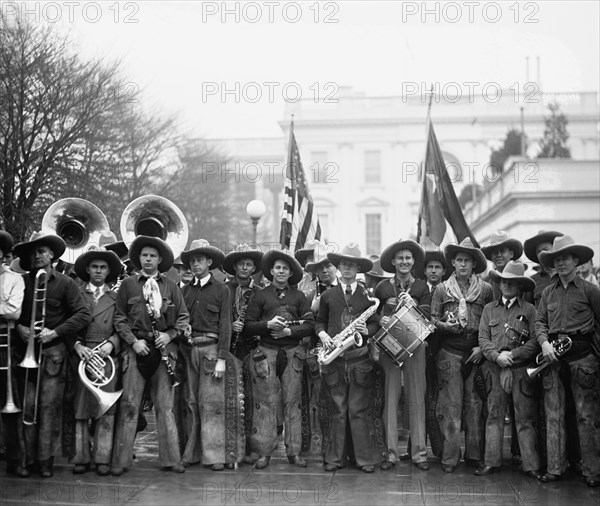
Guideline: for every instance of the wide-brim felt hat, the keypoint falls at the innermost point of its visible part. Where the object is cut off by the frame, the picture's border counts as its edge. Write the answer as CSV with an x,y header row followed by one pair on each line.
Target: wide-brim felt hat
x,y
203,247
514,271
388,253
177,263
303,254
242,251
351,253
499,240
15,266
110,257
164,250
319,257
565,245
23,249
6,242
376,271
119,248
269,259
466,246
532,243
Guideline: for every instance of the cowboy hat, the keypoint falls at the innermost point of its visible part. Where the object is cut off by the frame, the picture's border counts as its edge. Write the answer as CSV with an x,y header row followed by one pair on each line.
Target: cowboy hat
x,y
24,249
203,247
565,245
242,251
110,257
377,272
466,246
177,263
319,257
500,239
303,254
388,255
514,271
271,256
351,252
164,250
532,243
6,242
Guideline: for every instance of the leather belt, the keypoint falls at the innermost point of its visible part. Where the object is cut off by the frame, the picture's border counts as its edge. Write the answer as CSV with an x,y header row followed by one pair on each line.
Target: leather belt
x,y
202,338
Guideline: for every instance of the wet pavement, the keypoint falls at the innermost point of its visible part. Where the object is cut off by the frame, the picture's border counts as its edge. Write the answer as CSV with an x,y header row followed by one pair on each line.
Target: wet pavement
x,y
283,484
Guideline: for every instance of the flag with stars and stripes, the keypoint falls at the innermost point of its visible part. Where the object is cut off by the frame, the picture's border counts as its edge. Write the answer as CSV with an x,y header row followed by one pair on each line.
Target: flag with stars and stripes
x,y
299,220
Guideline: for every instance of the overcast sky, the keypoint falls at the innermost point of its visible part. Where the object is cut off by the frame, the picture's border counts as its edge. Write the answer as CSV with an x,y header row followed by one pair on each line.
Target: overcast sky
x,y
185,55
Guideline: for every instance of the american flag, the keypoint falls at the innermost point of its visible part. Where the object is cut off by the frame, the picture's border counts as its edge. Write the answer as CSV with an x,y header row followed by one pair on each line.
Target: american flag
x,y
299,220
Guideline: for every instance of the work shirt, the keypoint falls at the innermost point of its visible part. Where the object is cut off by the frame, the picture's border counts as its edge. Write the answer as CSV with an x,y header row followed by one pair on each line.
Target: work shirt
x,y
495,337
209,306
571,310
66,311
12,291
542,280
291,304
131,316
442,302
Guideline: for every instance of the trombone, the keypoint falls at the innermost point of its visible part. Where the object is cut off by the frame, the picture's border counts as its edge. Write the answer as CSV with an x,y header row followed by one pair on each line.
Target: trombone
x,y
29,361
10,406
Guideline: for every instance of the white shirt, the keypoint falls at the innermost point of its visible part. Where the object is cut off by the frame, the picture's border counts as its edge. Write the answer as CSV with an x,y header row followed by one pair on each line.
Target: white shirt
x,y
512,301
12,291
352,287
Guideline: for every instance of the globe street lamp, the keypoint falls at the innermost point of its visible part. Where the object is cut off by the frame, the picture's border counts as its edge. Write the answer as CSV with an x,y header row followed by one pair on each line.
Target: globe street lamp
x,y
255,210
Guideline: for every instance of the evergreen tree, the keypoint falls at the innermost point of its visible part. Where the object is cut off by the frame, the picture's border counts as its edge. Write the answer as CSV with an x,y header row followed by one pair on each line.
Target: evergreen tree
x,y
554,142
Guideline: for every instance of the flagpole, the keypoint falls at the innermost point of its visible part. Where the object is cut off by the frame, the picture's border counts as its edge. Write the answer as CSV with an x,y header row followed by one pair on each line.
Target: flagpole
x,y
423,165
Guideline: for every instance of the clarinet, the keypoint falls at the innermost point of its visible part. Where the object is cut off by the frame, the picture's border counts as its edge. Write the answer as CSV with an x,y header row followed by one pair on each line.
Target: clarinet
x,y
241,315
164,355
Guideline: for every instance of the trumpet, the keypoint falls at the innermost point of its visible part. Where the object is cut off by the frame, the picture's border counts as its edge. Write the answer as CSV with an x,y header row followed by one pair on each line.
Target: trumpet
x,y
5,330
92,373
560,345
30,361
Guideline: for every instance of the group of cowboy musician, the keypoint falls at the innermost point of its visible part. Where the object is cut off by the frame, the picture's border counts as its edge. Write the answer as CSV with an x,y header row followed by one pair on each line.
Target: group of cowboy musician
x,y
249,355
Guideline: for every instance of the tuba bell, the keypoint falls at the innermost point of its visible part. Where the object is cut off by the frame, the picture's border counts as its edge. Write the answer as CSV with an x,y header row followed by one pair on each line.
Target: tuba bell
x,y
155,216
77,222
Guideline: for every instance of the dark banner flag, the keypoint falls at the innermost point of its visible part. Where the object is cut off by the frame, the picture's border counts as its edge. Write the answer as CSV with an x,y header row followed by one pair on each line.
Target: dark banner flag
x,y
299,220
439,203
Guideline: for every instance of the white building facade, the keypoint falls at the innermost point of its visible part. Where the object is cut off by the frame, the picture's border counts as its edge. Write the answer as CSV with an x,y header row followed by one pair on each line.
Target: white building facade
x,y
362,156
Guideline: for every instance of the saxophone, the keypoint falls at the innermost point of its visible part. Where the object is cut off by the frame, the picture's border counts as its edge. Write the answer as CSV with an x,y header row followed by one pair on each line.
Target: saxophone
x,y
346,338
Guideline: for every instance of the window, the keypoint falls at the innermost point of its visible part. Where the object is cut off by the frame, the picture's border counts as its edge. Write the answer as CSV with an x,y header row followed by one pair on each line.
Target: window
x,y
373,222
372,167
318,167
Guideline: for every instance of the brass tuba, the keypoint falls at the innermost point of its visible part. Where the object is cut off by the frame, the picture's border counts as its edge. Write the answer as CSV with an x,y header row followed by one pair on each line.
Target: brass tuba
x,y
92,373
77,222
155,216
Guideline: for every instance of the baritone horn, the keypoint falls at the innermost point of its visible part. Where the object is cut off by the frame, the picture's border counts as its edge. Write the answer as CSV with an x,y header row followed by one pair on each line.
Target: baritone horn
x,y
5,331
155,216
77,222
93,375
560,345
37,324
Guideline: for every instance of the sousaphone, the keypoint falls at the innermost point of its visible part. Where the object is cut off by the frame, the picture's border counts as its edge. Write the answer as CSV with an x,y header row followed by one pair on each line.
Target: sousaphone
x,y
155,216
79,223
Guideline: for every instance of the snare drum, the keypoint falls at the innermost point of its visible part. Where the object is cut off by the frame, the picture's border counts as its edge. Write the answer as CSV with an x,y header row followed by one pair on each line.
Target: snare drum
x,y
406,330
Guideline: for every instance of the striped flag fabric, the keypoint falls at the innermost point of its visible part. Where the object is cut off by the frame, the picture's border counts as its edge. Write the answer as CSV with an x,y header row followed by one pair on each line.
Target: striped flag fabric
x,y
439,204
299,220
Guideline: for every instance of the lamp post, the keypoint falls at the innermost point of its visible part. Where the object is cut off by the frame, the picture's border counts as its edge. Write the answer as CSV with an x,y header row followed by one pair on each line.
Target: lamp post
x,y
255,210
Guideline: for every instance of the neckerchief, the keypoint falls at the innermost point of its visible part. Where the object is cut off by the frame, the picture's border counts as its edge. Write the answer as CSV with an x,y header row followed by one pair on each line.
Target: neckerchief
x,y
152,296
453,289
